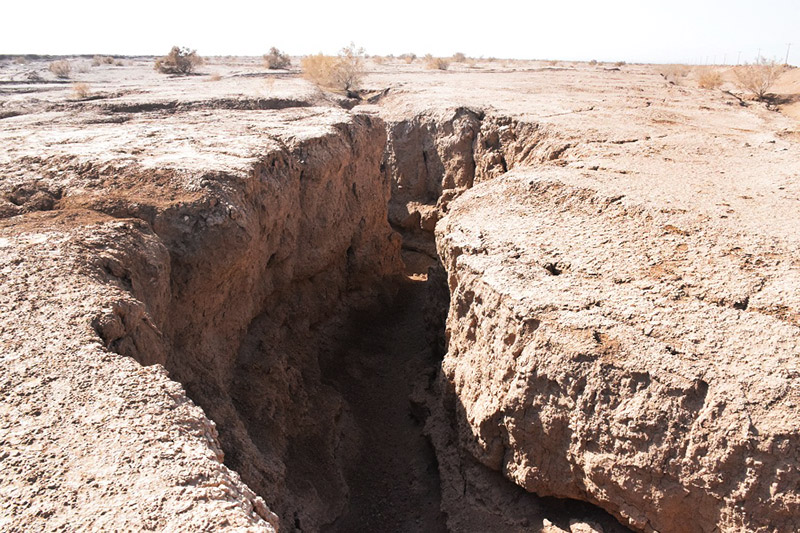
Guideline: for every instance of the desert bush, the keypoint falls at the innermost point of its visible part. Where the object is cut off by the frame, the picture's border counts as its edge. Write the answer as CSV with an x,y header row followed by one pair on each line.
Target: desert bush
x,y
408,58
674,72
435,63
458,57
343,72
276,59
620,63
180,60
709,78
102,60
379,60
61,69
593,62
81,90
758,77
214,77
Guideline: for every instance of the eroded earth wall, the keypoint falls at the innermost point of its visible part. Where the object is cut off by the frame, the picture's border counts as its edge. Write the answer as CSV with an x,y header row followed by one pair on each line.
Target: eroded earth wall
x,y
238,275
634,358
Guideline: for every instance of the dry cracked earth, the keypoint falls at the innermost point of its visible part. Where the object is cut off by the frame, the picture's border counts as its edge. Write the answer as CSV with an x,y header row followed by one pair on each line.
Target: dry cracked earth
x,y
503,297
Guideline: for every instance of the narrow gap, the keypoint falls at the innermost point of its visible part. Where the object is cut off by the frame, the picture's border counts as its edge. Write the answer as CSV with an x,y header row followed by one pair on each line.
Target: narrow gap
x,y
384,356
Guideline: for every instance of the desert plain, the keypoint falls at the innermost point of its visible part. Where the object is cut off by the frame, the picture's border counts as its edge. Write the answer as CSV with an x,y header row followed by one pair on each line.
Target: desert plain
x,y
505,296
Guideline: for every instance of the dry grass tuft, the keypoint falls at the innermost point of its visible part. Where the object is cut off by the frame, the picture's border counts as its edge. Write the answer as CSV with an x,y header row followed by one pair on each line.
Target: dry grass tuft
x,y
759,77
709,78
180,60
675,73
343,72
81,90
458,57
102,60
276,59
214,77
436,63
62,69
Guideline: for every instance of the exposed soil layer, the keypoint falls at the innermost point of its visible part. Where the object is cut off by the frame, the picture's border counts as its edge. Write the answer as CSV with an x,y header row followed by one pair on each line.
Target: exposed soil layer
x,y
205,324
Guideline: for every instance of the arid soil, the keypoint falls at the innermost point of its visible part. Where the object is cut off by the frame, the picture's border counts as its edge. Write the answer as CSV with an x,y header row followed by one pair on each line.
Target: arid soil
x,y
510,296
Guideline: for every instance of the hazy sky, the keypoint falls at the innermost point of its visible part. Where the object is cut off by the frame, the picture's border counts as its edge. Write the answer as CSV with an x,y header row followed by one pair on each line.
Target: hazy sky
x,y
693,31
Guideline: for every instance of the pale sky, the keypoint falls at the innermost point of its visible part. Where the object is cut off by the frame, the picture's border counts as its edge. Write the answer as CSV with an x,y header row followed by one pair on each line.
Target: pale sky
x,y
685,31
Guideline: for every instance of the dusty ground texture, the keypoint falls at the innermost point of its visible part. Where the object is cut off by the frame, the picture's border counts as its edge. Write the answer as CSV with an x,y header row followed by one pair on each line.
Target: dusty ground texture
x,y
620,253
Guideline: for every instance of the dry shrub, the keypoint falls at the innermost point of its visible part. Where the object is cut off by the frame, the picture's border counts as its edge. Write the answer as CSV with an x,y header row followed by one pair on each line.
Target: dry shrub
x,y
593,62
102,60
758,77
675,72
379,60
709,78
81,90
408,58
620,63
180,60
276,59
436,63
121,63
553,63
343,72
214,77
61,69
458,57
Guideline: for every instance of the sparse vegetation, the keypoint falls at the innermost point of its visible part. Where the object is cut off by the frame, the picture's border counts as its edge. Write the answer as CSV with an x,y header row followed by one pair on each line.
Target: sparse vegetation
x,y
62,69
215,77
458,57
276,59
709,78
758,78
436,63
81,90
620,63
593,62
408,58
343,72
102,60
180,60
675,73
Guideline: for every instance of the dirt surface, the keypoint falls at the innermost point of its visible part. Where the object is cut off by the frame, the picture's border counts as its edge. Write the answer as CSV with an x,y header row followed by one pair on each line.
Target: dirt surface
x,y
620,278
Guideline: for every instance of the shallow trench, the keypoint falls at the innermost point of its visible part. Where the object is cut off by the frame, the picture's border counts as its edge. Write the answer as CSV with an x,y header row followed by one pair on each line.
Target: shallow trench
x,y
318,360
